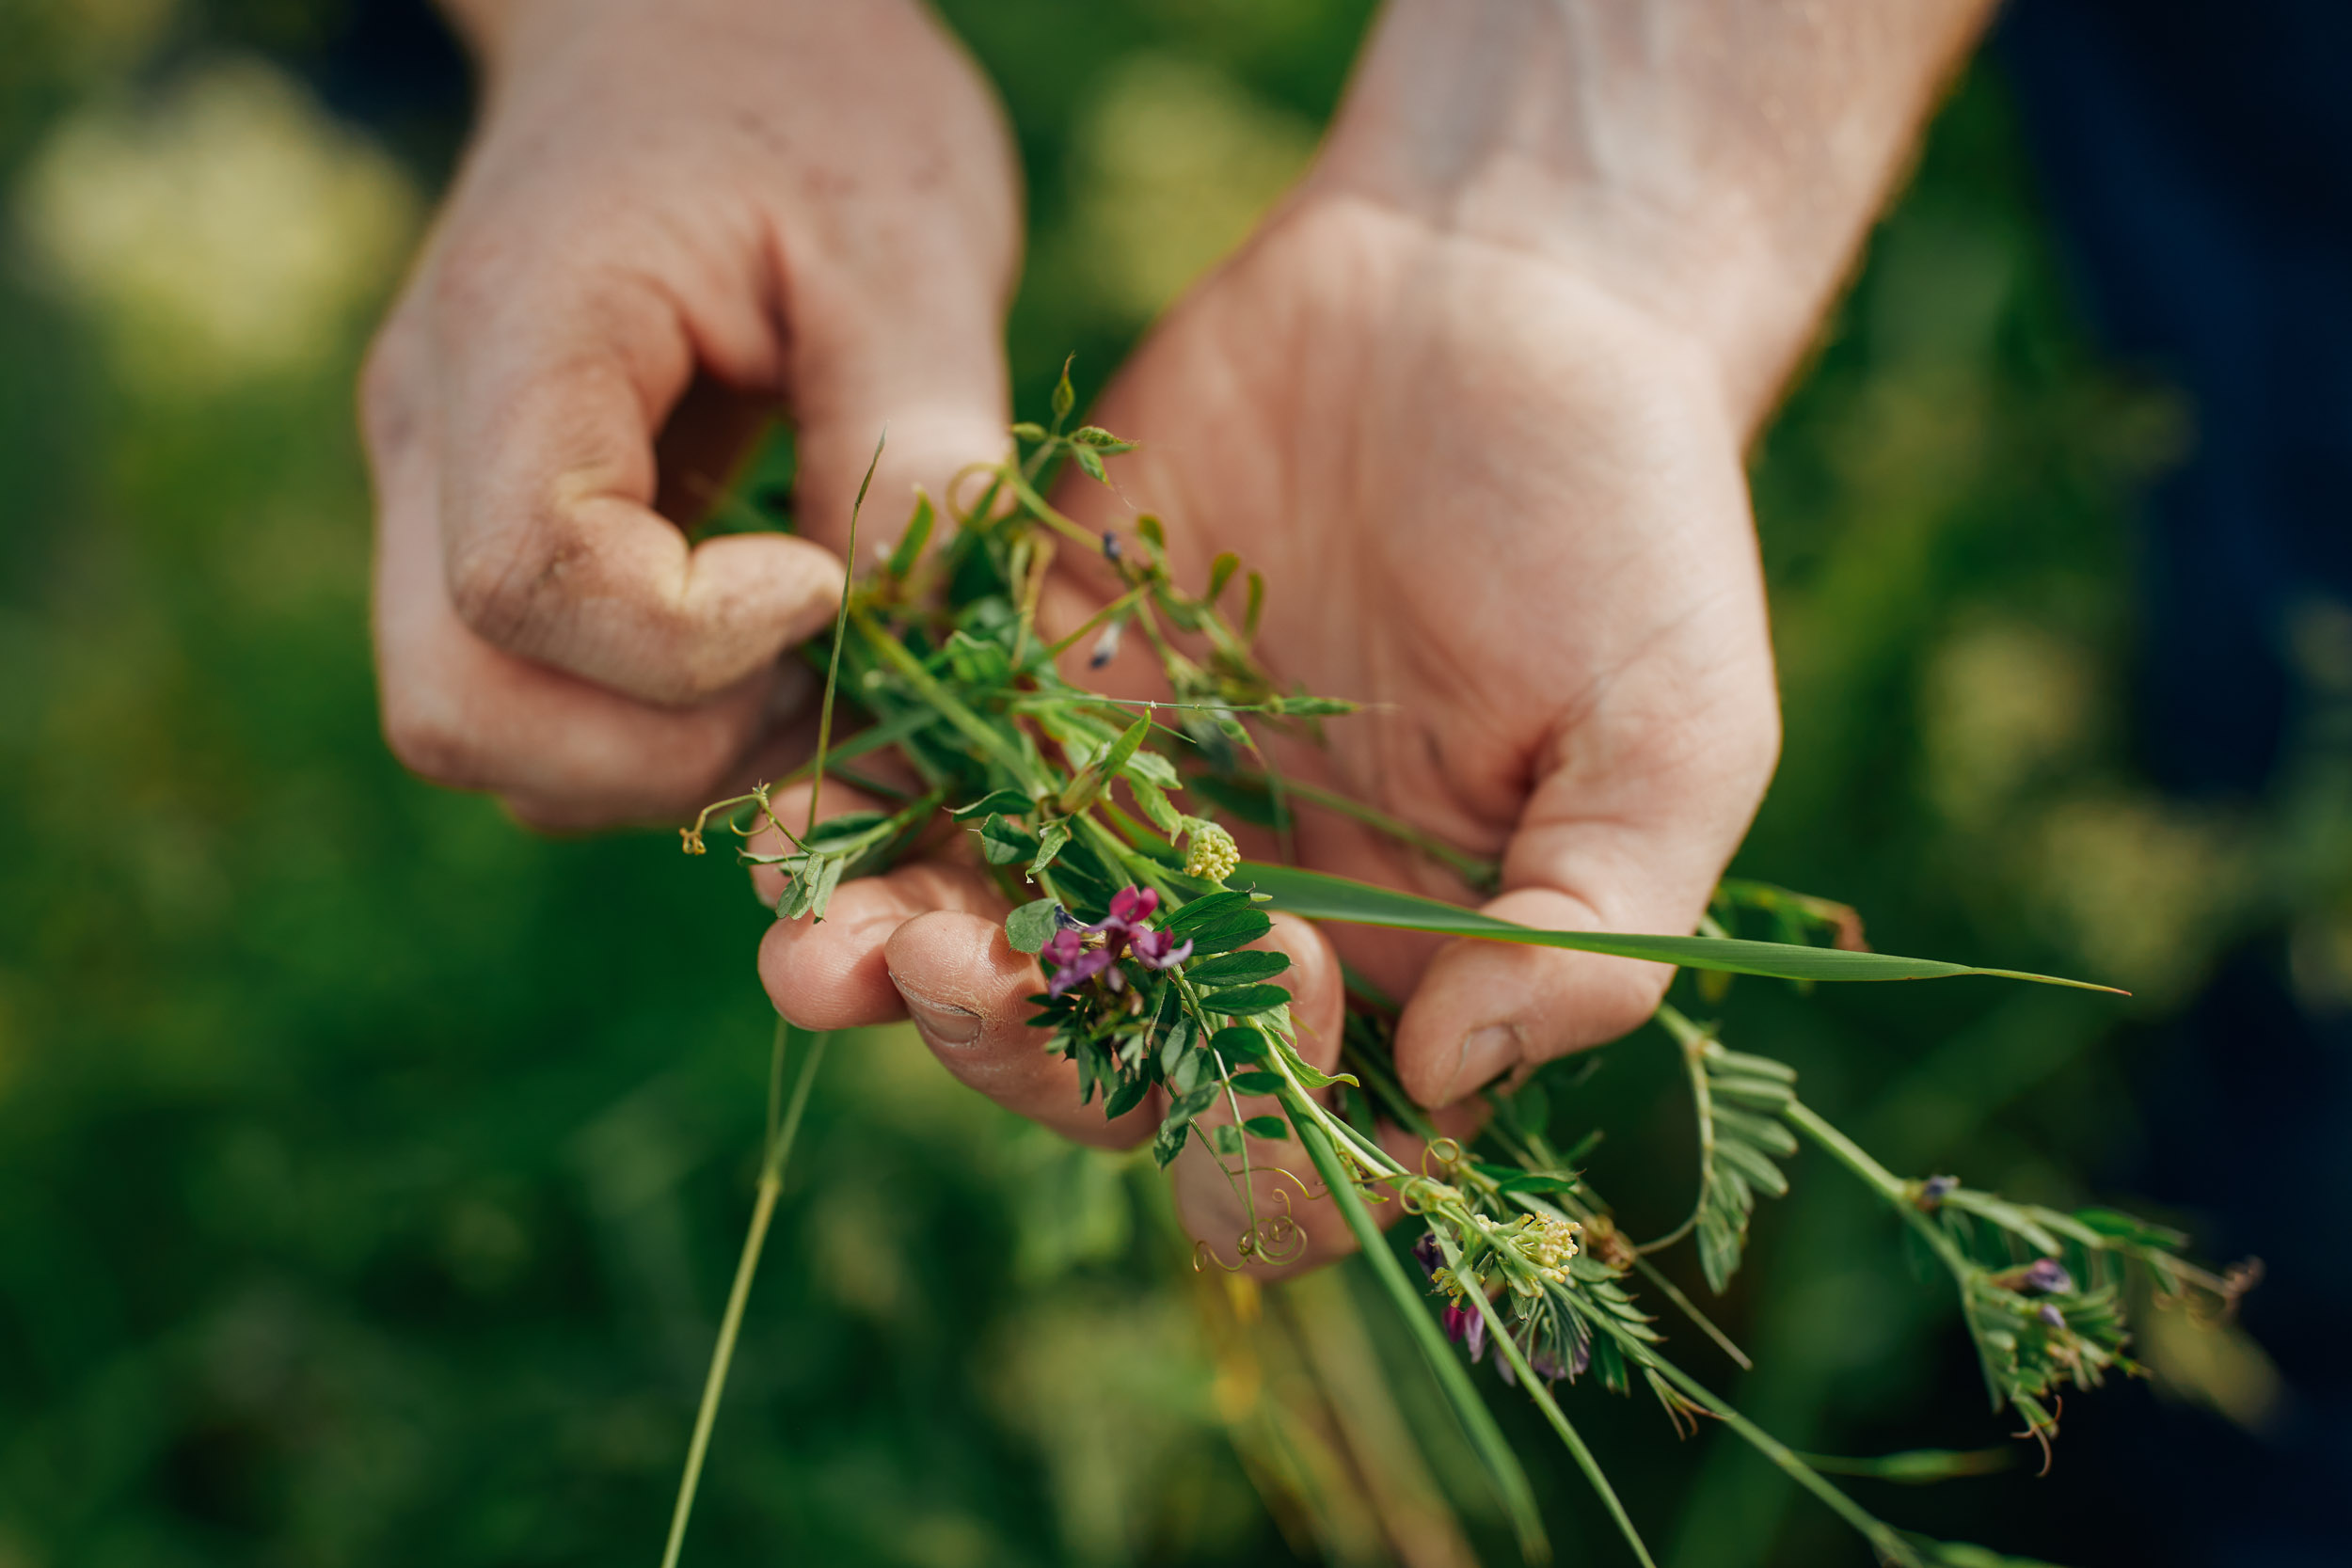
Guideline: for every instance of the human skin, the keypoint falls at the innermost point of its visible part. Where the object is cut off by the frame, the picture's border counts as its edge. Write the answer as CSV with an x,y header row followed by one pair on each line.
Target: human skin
x,y
1474,400
678,215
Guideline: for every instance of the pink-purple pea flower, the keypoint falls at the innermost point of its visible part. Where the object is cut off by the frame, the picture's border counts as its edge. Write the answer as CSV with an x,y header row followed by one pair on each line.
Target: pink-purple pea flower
x,y
1124,933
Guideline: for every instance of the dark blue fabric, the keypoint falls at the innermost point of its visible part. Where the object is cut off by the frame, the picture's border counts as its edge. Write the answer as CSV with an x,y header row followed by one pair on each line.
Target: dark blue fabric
x,y
2196,162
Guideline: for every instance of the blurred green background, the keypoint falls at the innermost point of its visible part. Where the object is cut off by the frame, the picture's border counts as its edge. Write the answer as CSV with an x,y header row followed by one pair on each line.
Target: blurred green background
x,y
371,1171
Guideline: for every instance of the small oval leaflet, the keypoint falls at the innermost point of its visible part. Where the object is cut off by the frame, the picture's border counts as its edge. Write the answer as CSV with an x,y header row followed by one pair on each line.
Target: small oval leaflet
x,y
1244,1001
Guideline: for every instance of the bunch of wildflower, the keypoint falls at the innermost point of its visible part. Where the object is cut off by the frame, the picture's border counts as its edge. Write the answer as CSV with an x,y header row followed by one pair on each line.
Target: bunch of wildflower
x,y
1147,917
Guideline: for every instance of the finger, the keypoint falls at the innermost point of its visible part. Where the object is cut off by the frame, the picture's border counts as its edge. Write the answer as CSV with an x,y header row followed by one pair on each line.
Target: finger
x,y
909,345
554,375
968,993
835,974
1634,846
564,753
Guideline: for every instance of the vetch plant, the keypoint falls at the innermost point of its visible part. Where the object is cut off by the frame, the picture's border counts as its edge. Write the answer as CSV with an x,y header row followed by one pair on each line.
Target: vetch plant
x,y
1096,817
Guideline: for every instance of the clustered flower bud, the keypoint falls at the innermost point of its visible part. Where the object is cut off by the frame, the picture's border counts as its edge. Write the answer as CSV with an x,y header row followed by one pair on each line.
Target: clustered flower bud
x,y
1212,855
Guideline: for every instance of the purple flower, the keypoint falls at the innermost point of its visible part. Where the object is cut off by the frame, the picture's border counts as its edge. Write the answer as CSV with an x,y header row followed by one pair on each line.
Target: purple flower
x,y
1081,968
2052,1316
1121,930
2046,1276
1466,1326
1159,949
1934,1190
1426,1253
1130,908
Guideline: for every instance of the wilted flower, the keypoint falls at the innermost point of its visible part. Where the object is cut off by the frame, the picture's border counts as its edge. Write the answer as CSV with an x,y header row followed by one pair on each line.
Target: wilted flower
x,y
1427,1254
2046,1276
1466,1326
1934,1190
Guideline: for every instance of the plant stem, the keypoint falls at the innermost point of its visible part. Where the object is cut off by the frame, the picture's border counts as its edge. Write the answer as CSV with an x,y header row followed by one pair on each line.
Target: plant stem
x,y
1890,1546
1509,1350
1478,1422
840,627
1878,1178
1482,875
781,1132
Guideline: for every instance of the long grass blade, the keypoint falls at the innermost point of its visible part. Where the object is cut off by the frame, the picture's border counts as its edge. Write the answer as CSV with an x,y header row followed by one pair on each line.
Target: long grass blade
x,y
1318,896
784,1125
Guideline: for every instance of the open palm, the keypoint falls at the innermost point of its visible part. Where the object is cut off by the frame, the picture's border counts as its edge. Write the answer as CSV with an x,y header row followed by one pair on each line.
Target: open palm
x,y
1506,513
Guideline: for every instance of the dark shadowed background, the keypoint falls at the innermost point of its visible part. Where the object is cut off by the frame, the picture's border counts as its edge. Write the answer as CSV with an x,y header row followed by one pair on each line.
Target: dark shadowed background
x,y
371,1171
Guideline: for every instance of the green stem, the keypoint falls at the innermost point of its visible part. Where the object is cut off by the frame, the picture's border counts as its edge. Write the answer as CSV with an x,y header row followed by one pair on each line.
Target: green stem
x,y
1509,1350
1879,1179
1890,1546
1478,1422
1691,1040
840,627
1482,875
781,1133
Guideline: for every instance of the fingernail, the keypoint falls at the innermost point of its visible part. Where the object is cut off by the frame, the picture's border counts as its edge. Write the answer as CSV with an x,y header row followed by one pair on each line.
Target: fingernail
x,y
941,1024
1487,1052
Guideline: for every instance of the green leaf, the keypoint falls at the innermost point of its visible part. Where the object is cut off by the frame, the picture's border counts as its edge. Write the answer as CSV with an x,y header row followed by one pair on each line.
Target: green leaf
x,y
1257,1082
1222,572
1027,432
1266,1127
1064,396
1225,1140
1124,747
1051,842
1010,801
1318,896
1091,463
1169,1142
1238,929
1538,1182
1126,1098
1201,910
918,535
1238,1042
1244,1000
1234,969
1002,844
1033,925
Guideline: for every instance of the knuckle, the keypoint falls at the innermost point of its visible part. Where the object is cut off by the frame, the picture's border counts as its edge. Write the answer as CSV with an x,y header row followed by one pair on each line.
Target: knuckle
x,y
502,588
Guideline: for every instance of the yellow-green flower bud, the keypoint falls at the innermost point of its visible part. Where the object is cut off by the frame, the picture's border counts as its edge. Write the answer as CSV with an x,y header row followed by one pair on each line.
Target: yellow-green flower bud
x,y
1212,855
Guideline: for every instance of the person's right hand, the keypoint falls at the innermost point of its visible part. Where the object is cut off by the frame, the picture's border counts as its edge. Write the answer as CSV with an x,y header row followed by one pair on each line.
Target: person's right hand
x,y
766,201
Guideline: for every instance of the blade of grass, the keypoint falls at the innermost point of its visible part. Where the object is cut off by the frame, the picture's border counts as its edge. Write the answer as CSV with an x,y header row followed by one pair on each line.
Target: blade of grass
x,y
784,1125
840,630
1319,896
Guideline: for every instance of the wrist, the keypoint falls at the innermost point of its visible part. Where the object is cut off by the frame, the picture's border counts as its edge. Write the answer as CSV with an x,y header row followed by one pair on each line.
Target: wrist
x,y
1713,164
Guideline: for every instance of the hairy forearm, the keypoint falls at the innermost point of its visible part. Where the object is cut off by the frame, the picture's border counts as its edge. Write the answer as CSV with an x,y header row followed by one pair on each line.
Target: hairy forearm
x,y
1714,162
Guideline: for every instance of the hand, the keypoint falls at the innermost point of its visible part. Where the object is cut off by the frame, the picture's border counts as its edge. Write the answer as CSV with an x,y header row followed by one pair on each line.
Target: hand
x,y
674,216
1504,509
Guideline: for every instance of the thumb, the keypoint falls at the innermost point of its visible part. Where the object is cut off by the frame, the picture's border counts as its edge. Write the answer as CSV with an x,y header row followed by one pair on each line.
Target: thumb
x,y
1638,849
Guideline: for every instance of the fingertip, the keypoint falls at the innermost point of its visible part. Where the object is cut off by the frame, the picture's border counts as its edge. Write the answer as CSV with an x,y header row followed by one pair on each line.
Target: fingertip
x,y
831,974
1485,1007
